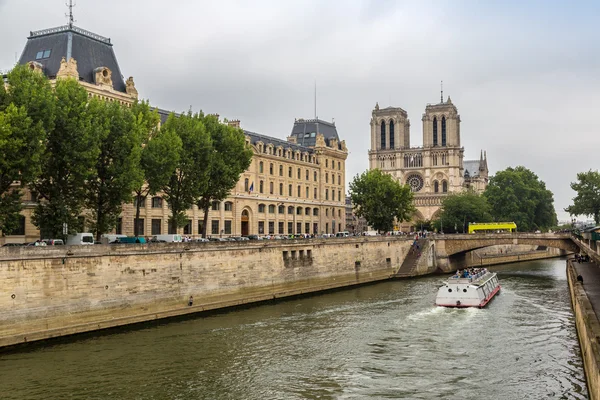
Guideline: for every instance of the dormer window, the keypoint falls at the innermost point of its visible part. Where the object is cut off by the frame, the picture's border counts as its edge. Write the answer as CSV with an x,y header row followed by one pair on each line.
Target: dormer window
x,y
42,54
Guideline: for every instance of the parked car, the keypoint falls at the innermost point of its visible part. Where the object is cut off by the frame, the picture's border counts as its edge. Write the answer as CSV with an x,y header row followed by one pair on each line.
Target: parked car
x,y
54,242
252,237
342,234
111,238
77,239
132,239
12,245
169,238
201,240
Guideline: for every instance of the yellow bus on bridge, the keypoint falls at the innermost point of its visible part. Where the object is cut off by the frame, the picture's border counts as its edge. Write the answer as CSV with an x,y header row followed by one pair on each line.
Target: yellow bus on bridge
x,y
492,227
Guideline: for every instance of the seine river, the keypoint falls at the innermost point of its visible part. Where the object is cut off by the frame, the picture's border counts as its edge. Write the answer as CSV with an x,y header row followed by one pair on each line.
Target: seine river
x,y
384,341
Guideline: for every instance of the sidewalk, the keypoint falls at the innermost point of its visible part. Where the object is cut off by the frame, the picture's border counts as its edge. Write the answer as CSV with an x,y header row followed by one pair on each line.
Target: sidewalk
x,y
590,273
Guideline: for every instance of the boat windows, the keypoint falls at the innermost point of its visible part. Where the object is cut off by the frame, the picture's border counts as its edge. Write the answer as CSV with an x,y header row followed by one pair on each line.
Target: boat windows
x,y
465,290
449,290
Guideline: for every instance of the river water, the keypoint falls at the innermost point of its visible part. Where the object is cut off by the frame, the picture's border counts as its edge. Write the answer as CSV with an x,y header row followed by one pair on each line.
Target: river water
x,y
383,341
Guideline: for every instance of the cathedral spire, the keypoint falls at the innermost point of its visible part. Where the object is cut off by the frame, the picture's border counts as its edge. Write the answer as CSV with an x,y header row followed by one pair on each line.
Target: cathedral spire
x,y
441,92
70,15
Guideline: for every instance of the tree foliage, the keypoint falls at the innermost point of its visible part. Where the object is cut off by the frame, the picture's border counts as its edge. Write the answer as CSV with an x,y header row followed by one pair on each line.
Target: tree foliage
x,y
380,199
67,163
461,208
190,173
228,158
115,174
26,115
587,201
517,194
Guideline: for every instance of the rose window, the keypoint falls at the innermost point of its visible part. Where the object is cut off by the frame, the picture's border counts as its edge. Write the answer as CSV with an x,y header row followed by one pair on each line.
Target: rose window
x,y
415,182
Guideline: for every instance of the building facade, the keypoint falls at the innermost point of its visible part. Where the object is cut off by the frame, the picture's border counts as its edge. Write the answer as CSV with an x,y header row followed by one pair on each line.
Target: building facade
x,y
293,186
433,170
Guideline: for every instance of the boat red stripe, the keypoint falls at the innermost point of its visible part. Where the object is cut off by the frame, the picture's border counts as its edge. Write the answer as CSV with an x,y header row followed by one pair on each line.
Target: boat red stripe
x,y
481,305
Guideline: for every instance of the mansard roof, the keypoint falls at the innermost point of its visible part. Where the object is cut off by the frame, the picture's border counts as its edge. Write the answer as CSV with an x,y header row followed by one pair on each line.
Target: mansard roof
x,y
91,51
257,137
472,167
305,131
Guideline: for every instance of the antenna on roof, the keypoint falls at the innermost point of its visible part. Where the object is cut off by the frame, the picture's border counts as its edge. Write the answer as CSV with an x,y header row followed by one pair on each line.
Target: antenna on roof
x,y
70,15
441,91
315,99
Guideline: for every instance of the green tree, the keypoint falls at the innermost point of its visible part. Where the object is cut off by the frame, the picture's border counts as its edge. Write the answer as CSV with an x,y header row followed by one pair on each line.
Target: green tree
x,y
114,176
188,178
587,201
228,158
26,114
459,209
67,164
146,124
517,194
380,199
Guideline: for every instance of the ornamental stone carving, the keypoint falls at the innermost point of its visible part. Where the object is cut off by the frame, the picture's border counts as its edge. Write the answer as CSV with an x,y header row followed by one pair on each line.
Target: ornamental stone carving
x,y
103,76
132,91
35,66
68,69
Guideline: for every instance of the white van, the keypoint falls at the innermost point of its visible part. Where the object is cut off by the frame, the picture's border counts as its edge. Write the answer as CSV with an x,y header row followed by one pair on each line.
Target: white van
x,y
342,234
370,233
76,239
167,238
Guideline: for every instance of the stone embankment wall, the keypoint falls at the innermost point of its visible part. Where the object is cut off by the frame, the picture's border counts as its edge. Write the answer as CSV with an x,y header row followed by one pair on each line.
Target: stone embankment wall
x,y
475,260
588,331
61,290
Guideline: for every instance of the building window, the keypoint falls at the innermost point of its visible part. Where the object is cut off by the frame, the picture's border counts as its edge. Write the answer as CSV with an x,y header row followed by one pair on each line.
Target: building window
x,y
228,206
157,202
271,187
327,212
246,185
290,210
443,131
187,229
435,141
156,226
142,202
271,227
290,228
281,209
43,54
19,230
307,175
391,135
261,208
326,163
307,211
261,187
299,211
118,228
315,193
271,209
271,168
228,227
327,227
280,228
339,165
299,191
339,195
326,178
339,179
298,227
261,227
290,172
140,225
260,167
299,173
326,194
307,192
307,227
316,212
281,170
200,227
315,176
214,227
281,189
436,187
333,195
340,213
215,206
332,164
445,186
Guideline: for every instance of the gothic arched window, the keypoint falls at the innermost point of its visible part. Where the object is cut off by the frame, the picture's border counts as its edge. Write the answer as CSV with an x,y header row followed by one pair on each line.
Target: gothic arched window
x,y
436,187
445,186
391,134
443,131
383,134
435,141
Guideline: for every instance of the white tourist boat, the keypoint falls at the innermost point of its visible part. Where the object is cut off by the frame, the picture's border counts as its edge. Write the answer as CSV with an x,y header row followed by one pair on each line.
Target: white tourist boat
x,y
473,287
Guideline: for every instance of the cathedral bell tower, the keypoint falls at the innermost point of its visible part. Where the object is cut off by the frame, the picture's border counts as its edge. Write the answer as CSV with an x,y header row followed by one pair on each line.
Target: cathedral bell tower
x,y
441,125
390,128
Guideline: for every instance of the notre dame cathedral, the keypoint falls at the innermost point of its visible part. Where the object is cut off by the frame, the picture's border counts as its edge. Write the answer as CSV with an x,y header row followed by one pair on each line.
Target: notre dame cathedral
x,y
431,171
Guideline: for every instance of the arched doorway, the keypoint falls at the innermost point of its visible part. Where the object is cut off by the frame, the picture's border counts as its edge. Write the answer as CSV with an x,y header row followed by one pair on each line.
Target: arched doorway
x,y
245,223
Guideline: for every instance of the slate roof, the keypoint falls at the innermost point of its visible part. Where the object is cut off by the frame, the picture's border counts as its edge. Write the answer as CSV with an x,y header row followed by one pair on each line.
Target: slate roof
x,y
304,129
257,137
471,166
91,51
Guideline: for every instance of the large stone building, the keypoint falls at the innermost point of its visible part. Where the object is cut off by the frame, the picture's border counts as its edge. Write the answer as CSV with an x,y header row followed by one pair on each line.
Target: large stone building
x,y
433,170
292,186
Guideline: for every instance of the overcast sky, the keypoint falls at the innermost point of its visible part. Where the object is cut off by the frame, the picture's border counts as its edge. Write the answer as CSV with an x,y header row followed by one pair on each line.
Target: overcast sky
x,y
525,76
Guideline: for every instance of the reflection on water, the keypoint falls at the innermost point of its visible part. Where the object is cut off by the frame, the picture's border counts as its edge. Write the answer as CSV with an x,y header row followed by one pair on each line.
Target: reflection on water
x,y
380,341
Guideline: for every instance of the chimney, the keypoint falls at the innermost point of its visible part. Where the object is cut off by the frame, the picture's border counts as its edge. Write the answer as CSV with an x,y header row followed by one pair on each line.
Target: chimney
x,y
235,123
